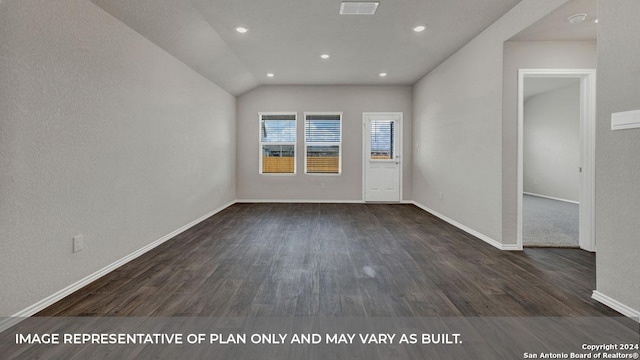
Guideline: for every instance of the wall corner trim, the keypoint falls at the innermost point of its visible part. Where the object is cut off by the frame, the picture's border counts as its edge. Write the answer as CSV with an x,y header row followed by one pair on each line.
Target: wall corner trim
x,y
485,238
42,304
616,305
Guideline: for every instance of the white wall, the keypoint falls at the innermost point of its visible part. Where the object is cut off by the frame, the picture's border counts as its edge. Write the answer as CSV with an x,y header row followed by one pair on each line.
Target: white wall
x,y
102,134
617,154
352,101
551,148
529,55
457,142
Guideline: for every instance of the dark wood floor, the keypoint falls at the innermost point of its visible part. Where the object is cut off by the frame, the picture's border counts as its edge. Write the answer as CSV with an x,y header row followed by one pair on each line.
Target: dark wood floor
x,y
338,260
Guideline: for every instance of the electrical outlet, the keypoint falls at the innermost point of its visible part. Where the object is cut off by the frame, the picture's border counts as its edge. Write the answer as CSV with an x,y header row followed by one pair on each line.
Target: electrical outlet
x,y
441,196
219,192
78,243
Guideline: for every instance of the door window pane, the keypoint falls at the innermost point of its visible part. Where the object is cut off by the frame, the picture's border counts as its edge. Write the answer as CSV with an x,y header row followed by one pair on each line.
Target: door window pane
x,y
382,134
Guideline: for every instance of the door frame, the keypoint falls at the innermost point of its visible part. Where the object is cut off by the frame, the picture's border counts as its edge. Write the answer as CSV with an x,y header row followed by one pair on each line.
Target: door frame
x,y
587,148
399,150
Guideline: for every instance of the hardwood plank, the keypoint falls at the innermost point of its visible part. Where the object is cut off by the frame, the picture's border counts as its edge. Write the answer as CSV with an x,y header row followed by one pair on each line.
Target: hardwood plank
x,y
316,260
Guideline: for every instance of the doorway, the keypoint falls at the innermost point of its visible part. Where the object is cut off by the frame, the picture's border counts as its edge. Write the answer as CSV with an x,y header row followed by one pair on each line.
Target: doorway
x,y
382,155
555,165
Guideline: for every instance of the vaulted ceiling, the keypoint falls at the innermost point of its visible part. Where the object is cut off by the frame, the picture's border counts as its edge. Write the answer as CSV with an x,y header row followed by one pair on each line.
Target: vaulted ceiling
x,y
287,37
555,27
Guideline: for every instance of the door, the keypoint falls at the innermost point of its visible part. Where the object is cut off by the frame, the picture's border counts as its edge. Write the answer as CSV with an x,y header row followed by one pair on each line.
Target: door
x,y
382,156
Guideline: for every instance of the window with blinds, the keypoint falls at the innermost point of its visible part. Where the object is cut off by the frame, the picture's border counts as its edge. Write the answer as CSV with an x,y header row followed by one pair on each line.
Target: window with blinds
x,y
323,143
382,146
277,143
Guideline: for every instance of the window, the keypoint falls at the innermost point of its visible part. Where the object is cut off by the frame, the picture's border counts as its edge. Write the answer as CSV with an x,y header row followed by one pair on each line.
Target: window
x,y
382,135
323,143
277,143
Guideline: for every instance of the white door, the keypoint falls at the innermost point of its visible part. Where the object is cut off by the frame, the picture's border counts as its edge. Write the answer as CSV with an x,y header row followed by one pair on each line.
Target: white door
x,y
382,155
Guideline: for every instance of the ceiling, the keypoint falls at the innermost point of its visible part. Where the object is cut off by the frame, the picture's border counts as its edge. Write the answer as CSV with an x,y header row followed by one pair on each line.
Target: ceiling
x,y
555,27
287,37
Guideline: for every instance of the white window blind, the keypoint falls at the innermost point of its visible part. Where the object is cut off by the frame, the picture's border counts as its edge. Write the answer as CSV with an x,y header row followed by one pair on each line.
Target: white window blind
x,y
382,146
277,143
323,143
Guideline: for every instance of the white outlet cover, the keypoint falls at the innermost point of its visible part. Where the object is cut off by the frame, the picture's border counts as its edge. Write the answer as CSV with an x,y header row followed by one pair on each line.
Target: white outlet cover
x,y
78,243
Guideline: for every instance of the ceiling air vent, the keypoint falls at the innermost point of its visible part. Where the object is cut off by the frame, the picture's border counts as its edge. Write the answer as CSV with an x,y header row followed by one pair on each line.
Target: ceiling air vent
x,y
358,8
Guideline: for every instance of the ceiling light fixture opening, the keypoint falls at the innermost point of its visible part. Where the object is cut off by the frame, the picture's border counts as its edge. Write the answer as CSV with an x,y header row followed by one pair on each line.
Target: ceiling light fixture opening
x,y
383,74
241,29
595,20
576,18
325,56
419,28
270,75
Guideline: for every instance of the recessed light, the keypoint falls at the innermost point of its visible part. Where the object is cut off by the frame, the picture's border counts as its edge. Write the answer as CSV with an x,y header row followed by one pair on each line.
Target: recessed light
x,y
383,74
419,28
241,29
576,18
270,75
595,20
324,56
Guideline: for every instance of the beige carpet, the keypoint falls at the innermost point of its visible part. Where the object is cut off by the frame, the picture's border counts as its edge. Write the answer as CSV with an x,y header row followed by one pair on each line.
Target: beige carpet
x,y
549,223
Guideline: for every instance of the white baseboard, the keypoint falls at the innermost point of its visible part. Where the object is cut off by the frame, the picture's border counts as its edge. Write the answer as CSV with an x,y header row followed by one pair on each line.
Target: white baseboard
x,y
42,304
616,305
552,198
6,323
313,201
485,238
511,247
299,201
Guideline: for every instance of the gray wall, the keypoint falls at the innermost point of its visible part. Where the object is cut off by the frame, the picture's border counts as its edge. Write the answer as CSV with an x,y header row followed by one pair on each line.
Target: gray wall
x,y
458,126
551,148
352,101
617,162
101,134
529,55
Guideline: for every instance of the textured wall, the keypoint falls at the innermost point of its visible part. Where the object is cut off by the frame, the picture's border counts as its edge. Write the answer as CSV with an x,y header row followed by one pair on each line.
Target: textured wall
x,y
102,134
617,153
529,55
458,126
352,101
551,148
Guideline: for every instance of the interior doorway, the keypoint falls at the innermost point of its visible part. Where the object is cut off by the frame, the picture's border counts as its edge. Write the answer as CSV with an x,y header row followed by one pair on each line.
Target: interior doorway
x,y
555,158
551,160
382,155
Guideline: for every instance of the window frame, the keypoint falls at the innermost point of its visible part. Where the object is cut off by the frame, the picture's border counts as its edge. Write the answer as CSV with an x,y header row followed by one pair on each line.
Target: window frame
x,y
307,144
294,143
